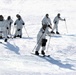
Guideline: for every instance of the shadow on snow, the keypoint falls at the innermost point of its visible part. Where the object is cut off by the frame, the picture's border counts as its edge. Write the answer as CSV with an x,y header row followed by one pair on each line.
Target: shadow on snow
x,y
12,47
58,63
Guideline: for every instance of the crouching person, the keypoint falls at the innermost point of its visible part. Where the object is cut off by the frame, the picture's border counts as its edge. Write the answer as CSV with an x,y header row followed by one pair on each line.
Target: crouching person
x,y
41,40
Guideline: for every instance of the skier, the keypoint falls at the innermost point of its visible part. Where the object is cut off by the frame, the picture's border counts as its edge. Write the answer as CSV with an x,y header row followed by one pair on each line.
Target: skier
x,y
46,21
3,28
9,22
1,20
41,39
19,25
56,21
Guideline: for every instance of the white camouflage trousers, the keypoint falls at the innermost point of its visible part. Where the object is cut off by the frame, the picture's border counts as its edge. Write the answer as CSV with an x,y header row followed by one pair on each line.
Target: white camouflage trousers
x,y
55,27
39,46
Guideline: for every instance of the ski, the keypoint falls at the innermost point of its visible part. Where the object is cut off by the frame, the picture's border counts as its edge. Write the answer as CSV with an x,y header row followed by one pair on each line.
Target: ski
x,y
55,35
46,55
40,55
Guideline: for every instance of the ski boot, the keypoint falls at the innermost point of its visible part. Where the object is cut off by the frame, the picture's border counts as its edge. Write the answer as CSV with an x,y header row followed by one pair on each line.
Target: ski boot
x,y
36,53
43,53
52,32
1,37
15,36
5,40
57,33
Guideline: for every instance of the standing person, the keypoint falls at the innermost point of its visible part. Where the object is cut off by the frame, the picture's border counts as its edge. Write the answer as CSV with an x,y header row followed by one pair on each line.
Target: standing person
x,y
56,21
1,25
19,25
9,22
41,40
3,28
47,21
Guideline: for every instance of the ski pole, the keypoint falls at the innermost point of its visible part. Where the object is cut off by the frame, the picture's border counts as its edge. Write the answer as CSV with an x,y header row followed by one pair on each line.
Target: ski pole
x,y
48,43
66,26
26,31
34,48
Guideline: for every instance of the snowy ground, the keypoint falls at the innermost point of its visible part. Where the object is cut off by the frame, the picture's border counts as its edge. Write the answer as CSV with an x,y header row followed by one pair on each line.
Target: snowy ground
x,y
15,55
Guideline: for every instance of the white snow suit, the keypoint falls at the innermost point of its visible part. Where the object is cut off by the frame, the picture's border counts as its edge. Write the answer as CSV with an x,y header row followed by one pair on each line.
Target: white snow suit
x,y
19,25
41,35
3,29
56,21
46,21
9,22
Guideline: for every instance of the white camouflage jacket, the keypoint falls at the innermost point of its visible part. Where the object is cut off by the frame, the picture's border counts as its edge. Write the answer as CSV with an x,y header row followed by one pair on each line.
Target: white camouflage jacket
x,y
46,21
19,23
56,20
42,35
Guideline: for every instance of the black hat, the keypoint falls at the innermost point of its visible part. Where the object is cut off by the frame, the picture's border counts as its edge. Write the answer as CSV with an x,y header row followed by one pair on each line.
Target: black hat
x,y
1,18
17,15
47,14
9,17
58,14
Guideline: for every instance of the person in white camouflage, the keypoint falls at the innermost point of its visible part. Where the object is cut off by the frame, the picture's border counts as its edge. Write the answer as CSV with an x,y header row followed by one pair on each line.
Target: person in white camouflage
x,y
41,39
56,21
47,21
9,22
3,28
19,25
